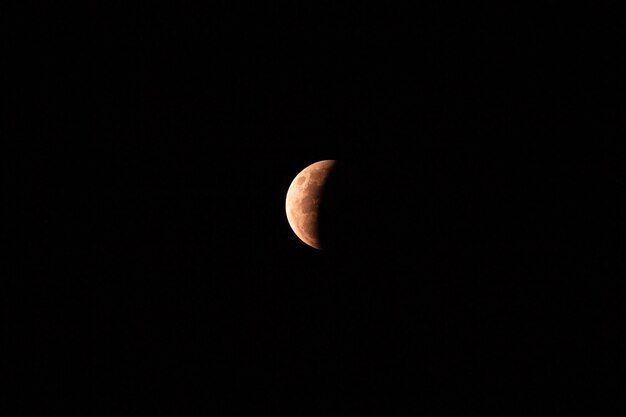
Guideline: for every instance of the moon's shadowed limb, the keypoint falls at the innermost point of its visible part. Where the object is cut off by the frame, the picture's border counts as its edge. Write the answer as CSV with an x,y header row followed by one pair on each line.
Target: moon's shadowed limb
x,y
354,206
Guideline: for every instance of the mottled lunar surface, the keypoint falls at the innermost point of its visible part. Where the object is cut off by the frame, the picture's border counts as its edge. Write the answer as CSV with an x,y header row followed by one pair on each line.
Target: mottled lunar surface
x,y
303,200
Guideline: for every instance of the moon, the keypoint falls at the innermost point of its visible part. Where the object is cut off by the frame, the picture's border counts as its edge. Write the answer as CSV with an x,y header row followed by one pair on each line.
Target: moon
x,y
303,200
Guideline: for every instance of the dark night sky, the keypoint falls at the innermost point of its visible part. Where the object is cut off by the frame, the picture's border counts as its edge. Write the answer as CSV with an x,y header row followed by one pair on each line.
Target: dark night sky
x,y
475,220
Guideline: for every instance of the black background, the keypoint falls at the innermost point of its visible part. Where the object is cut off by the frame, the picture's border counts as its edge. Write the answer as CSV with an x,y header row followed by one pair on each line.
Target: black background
x,y
475,221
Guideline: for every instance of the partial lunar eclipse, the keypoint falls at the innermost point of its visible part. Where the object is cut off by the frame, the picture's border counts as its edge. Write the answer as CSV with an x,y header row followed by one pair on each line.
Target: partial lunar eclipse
x,y
303,201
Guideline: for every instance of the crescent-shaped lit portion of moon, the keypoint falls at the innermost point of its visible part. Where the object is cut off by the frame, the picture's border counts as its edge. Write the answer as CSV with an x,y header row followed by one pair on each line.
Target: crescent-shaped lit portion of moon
x,y
303,200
